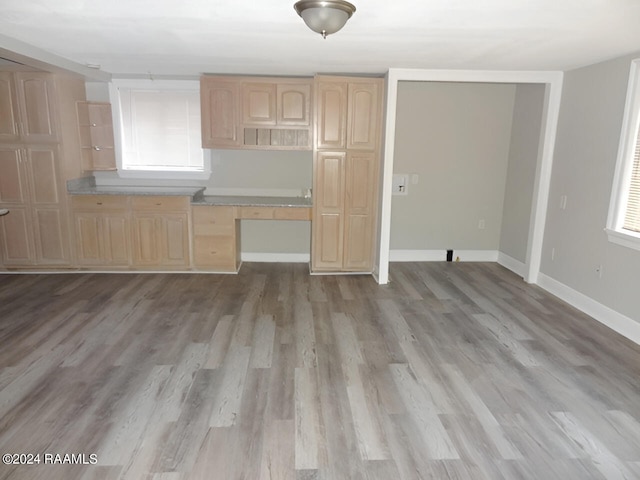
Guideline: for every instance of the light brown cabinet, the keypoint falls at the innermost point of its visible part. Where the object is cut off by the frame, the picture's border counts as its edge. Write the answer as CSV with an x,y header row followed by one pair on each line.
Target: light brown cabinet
x,y
160,231
95,126
27,103
219,110
256,113
258,103
35,230
345,183
216,238
102,230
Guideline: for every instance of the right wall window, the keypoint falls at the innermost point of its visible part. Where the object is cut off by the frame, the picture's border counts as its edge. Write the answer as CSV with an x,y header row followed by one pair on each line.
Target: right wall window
x,y
623,222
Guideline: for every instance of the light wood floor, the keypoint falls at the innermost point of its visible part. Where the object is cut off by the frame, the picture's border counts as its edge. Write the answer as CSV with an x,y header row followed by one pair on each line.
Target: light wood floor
x,y
452,371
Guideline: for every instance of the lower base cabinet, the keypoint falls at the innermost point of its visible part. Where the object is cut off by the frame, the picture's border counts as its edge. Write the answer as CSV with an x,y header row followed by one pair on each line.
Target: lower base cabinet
x,y
216,237
125,231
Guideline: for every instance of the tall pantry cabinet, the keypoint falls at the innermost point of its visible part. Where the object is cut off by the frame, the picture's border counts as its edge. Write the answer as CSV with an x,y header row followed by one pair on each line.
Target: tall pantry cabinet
x,y
33,108
345,173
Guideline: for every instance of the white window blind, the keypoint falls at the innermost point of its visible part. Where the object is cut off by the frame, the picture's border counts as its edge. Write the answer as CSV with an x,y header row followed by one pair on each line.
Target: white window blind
x,y
161,130
632,214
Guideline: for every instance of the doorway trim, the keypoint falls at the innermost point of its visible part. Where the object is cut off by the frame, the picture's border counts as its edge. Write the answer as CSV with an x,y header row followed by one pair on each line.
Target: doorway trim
x,y
542,182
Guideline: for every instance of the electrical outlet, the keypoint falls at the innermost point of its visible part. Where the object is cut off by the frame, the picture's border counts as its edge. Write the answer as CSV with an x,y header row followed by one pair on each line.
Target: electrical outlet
x,y
481,224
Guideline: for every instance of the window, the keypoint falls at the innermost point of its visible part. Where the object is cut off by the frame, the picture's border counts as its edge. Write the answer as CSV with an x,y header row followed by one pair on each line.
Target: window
x,y
159,128
623,223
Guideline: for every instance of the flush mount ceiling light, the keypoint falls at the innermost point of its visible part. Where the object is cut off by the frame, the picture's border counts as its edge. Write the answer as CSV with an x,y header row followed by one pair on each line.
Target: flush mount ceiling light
x,y
324,16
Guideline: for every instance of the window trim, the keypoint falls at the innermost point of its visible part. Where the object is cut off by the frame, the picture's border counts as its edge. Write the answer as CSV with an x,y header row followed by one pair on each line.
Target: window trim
x,y
117,130
624,164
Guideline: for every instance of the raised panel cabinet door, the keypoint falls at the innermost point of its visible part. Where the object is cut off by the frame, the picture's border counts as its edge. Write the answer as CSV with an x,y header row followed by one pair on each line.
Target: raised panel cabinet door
x,y
331,114
51,236
328,211
116,237
175,239
328,242
43,176
8,109
36,102
88,233
146,235
258,103
363,115
16,237
360,196
13,176
294,104
219,101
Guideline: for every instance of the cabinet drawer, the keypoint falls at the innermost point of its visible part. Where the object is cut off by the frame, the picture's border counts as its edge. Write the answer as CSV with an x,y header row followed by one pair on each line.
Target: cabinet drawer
x,y
216,252
99,202
258,213
160,203
210,220
292,213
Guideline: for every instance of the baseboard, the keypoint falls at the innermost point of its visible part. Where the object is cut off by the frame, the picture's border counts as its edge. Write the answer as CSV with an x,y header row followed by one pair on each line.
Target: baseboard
x,y
616,321
510,263
275,257
441,255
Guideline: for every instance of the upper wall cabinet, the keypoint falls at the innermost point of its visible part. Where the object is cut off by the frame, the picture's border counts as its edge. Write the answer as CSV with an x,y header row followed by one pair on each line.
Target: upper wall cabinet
x,y
219,109
256,113
347,113
27,105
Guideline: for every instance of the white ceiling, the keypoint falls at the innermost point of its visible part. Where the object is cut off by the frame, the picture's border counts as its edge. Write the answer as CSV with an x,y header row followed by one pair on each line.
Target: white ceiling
x,y
189,37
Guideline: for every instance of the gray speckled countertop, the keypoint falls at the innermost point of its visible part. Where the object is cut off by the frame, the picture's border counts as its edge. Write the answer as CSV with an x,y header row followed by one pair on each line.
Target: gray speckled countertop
x,y
195,192
241,201
87,186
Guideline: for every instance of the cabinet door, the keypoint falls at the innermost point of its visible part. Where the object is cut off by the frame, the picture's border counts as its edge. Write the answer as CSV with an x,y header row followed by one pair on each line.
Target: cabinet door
x,y
37,106
361,177
8,109
116,235
363,117
294,101
331,114
16,237
13,176
51,237
41,163
219,110
88,233
146,235
175,239
259,103
328,211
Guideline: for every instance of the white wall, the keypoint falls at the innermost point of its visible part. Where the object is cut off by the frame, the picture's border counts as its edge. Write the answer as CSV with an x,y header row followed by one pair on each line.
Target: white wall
x,y
523,156
456,137
589,126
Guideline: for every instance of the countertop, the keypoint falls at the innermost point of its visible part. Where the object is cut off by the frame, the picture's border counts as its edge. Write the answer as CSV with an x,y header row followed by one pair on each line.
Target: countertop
x,y
195,192
242,201
87,186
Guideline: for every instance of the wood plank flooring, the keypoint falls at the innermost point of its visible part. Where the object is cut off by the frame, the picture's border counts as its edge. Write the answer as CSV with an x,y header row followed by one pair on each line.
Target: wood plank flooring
x,y
452,371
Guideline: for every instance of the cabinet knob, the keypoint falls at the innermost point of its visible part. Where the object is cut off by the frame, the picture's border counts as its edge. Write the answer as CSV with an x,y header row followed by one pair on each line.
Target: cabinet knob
x,y
94,125
97,149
